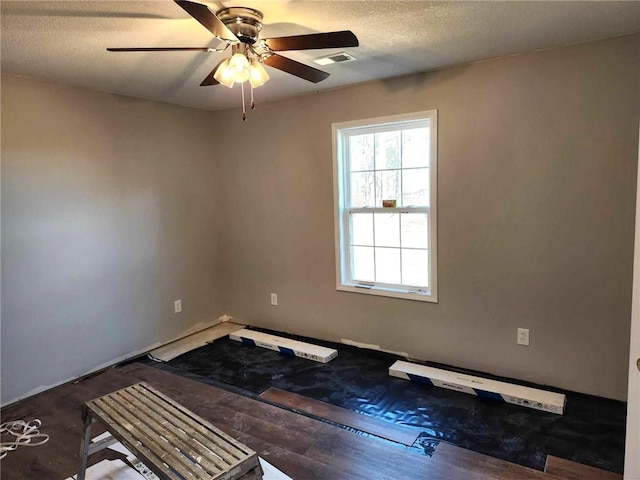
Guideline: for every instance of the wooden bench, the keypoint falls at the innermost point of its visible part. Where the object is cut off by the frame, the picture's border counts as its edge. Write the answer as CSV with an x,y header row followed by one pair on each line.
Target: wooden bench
x,y
172,441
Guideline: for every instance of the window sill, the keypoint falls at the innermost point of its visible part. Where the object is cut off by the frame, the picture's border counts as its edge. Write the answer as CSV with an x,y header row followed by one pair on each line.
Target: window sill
x,y
383,292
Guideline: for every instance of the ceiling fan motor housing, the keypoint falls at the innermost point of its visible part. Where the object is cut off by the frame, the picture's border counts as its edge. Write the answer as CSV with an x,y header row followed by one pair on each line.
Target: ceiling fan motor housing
x,y
244,22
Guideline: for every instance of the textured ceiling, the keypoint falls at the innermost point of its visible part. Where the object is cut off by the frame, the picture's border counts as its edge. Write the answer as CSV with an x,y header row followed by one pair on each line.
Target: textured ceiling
x,y
65,41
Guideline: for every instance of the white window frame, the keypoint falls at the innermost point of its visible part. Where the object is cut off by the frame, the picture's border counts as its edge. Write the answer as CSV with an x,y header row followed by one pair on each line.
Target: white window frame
x,y
341,212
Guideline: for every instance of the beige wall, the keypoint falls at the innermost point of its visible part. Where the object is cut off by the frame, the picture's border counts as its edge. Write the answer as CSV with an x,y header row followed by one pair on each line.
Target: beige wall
x,y
113,207
108,215
537,166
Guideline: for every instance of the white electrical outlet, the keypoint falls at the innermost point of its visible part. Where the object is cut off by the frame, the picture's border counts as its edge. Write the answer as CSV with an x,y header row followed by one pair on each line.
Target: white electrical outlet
x,y
177,306
274,299
523,336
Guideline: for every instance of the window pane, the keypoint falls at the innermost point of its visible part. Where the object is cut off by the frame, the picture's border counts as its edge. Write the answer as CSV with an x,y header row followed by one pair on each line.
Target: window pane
x,y
388,186
362,229
387,150
415,230
362,261
389,248
415,187
415,148
387,229
388,265
361,152
362,189
415,268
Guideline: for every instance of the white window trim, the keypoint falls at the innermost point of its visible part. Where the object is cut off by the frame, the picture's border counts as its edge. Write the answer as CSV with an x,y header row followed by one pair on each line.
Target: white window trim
x,y
339,208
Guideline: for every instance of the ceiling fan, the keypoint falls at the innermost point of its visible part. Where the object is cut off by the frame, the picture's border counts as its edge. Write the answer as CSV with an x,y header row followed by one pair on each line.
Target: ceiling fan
x,y
240,27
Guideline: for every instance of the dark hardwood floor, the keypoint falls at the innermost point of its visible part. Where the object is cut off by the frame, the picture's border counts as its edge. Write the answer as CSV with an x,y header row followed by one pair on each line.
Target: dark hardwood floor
x,y
400,434
302,447
574,471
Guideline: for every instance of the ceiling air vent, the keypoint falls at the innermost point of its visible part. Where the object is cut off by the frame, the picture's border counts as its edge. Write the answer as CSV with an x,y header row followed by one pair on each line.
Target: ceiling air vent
x,y
335,58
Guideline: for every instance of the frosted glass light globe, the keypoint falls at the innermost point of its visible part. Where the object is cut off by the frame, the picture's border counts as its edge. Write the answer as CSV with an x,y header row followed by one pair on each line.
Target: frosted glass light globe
x,y
240,67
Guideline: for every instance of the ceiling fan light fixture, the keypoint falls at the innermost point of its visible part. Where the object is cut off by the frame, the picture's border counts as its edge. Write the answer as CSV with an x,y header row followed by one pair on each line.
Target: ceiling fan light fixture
x,y
239,28
224,74
258,75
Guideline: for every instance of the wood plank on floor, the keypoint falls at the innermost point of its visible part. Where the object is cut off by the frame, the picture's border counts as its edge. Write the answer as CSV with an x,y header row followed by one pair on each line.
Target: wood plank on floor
x,y
491,467
570,470
298,467
390,431
383,460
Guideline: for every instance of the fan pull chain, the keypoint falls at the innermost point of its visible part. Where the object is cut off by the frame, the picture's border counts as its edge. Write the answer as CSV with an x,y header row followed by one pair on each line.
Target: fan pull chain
x,y
253,105
244,112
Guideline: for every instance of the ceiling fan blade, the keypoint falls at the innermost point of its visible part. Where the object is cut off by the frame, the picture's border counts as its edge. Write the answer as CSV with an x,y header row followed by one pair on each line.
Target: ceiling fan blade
x,y
208,20
345,38
210,80
295,68
167,49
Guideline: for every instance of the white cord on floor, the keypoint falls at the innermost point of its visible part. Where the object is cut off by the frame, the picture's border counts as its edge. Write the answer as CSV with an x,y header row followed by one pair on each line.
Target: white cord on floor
x,y
25,433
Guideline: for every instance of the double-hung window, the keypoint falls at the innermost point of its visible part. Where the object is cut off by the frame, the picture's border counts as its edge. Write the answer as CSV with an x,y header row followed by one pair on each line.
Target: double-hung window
x,y
385,199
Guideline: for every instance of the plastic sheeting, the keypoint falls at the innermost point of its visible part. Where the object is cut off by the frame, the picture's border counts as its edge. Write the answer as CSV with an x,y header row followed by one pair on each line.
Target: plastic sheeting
x,y
590,432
